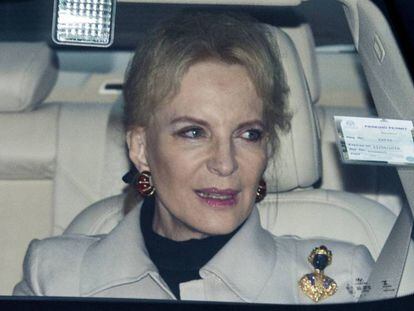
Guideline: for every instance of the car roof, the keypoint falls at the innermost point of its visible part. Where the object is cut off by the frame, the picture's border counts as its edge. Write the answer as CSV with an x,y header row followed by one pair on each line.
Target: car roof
x,y
31,20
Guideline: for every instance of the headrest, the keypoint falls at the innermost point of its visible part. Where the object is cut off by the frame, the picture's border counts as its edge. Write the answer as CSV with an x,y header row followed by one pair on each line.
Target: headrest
x,y
28,72
302,38
296,163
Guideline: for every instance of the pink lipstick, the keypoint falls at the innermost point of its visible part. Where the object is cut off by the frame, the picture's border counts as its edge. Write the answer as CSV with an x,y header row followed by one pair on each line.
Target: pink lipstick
x,y
218,197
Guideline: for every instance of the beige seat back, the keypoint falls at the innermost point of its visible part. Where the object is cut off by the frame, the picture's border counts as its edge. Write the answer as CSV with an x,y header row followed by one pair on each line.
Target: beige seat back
x,y
28,140
55,158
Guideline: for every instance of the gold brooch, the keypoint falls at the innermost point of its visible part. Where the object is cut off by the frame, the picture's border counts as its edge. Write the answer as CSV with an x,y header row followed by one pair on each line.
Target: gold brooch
x,y
316,285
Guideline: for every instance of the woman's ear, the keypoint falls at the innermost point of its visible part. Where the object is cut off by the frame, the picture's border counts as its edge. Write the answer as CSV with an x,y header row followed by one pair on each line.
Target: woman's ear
x,y
138,148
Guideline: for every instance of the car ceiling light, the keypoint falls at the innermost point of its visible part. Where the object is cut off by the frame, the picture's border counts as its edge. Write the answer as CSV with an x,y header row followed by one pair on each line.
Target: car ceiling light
x,y
84,22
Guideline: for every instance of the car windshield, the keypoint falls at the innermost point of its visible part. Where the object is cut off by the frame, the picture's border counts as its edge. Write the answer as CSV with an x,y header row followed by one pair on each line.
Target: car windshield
x,y
63,148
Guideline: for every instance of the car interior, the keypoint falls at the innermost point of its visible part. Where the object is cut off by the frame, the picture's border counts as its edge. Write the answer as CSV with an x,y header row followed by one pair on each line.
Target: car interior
x,y
62,144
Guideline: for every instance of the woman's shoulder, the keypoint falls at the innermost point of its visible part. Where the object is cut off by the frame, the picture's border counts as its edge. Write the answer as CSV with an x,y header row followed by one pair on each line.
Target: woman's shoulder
x,y
346,256
54,263
68,246
340,249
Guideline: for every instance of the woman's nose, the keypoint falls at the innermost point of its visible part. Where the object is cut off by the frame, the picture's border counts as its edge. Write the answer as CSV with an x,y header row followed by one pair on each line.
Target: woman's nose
x,y
222,162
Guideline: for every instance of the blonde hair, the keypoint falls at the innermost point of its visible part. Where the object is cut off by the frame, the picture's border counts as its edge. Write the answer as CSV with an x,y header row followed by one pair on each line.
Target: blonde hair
x,y
157,68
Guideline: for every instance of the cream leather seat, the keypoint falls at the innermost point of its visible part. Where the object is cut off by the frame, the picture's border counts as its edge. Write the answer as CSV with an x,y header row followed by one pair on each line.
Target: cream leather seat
x,y
291,206
28,136
375,182
55,158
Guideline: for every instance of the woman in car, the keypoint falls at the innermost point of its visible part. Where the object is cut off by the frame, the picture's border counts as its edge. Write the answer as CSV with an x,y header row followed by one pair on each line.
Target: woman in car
x,y
205,101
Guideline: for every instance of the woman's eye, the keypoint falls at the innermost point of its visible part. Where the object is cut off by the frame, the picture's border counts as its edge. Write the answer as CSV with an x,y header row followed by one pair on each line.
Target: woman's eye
x,y
253,135
193,133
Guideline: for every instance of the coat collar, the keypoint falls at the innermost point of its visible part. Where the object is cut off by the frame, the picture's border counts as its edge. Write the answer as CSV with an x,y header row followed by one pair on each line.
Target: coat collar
x,y
120,257
244,263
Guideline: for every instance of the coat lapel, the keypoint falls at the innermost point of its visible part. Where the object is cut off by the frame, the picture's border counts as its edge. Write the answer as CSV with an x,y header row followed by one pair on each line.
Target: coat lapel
x,y
120,257
246,262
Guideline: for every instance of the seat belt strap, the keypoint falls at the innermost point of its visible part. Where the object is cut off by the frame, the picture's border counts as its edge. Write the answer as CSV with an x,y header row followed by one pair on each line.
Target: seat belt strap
x,y
386,275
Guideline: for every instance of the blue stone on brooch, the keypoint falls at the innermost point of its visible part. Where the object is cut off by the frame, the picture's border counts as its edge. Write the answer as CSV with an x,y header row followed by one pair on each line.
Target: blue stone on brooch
x,y
311,278
320,261
327,282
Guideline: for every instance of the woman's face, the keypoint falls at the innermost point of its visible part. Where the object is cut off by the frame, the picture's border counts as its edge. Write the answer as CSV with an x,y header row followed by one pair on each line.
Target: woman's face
x,y
206,151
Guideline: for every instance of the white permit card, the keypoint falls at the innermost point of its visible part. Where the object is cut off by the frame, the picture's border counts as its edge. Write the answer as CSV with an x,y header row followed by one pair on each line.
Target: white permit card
x,y
375,141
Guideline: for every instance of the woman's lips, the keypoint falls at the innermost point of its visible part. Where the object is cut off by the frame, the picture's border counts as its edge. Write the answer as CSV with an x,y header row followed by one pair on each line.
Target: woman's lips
x,y
218,197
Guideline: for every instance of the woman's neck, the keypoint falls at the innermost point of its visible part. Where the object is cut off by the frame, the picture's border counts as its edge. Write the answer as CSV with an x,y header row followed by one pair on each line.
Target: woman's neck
x,y
168,226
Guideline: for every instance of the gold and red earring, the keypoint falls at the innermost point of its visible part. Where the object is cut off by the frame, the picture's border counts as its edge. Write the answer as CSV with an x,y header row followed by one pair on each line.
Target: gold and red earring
x,y
144,185
261,191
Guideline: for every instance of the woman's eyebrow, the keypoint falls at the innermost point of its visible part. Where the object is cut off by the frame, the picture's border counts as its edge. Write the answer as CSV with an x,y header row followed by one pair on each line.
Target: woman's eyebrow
x,y
188,119
251,124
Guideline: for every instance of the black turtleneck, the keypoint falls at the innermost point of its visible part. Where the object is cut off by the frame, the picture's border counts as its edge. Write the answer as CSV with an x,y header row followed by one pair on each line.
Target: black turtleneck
x,y
177,262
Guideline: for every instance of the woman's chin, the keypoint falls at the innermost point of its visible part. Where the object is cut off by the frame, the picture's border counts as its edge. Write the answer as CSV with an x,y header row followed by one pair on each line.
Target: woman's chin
x,y
221,216
221,225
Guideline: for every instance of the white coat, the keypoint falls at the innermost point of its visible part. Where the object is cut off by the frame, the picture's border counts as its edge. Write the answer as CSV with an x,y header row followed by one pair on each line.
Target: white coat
x,y
254,266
